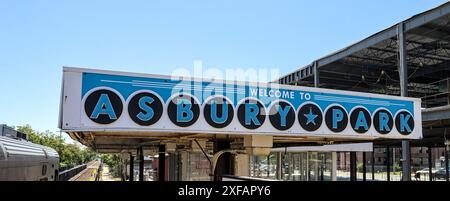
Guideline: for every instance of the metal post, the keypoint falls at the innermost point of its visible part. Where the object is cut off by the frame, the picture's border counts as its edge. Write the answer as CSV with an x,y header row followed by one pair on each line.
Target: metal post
x,y
307,166
279,176
316,74
131,167
446,165
388,163
290,161
322,166
430,165
141,164
373,164
364,165
161,163
353,170
448,90
403,71
122,174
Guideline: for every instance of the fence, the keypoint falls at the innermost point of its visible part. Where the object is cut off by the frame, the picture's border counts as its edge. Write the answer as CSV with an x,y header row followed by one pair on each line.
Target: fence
x,y
67,174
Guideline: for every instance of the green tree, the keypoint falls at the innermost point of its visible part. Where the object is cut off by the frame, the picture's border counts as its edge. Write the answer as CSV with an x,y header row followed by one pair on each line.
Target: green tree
x,y
69,154
113,161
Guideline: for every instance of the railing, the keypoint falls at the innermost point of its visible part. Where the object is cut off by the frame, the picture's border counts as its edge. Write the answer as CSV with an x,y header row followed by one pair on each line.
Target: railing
x,y
67,174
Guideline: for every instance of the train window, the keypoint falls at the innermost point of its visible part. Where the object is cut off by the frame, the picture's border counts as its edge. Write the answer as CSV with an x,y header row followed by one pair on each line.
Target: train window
x,y
44,170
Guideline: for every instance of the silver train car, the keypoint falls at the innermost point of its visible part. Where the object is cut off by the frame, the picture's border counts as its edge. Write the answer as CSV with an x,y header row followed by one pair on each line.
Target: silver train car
x,y
21,160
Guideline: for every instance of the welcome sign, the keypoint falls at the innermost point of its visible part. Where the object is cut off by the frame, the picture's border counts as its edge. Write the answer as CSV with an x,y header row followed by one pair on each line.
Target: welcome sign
x,y
95,100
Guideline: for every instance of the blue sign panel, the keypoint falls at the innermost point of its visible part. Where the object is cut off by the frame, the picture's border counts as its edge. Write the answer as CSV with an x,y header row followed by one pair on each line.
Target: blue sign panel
x,y
160,103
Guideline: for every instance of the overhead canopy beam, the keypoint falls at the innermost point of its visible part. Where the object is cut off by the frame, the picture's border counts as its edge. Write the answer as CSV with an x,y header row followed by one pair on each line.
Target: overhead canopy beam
x,y
437,113
435,33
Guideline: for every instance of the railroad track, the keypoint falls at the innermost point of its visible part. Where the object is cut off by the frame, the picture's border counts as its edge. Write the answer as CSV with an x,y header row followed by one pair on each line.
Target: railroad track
x,y
89,173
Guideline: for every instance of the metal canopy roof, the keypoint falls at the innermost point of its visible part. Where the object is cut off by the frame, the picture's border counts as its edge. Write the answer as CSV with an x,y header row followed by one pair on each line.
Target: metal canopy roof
x,y
371,65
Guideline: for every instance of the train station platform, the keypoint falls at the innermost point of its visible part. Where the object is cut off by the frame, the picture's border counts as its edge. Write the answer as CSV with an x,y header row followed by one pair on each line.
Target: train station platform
x,y
88,174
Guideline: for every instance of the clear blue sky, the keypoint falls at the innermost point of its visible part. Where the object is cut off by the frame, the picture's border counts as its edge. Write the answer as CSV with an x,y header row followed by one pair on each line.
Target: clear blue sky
x,y
37,38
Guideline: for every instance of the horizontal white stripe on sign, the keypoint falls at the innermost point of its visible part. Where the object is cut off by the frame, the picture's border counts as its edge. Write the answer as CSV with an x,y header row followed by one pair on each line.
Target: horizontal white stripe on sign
x,y
218,89
355,100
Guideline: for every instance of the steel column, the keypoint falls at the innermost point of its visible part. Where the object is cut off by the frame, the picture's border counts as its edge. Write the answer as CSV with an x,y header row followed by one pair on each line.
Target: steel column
x,y
322,164
388,163
161,162
373,164
403,73
446,165
141,164
430,164
316,74
121,168
279,168
364,165
353,168
131,167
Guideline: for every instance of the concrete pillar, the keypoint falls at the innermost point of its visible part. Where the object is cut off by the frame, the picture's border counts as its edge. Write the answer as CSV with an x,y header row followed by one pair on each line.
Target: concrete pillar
x,y
185,166
258,145
242,165
333,166
225,162
403,73
173,160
